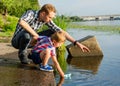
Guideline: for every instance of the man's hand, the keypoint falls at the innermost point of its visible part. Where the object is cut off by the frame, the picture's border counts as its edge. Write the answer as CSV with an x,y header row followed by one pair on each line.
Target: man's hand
x,y
83,47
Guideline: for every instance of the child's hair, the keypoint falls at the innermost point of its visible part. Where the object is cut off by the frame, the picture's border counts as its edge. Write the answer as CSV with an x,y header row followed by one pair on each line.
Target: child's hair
x,y
58,36
48,8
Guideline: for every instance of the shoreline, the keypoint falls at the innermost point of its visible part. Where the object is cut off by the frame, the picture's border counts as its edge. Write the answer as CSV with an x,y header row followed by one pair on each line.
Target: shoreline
x,y
14,73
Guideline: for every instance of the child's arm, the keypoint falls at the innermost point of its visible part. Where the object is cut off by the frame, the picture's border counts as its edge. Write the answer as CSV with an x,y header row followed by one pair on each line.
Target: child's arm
x,y
54,59
33,42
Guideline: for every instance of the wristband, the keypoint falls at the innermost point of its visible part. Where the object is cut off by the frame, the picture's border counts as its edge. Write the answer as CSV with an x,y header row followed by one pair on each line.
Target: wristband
x,y
75,42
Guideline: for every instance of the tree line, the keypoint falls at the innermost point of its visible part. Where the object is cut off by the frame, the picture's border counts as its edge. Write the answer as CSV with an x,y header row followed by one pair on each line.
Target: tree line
x,y
17,7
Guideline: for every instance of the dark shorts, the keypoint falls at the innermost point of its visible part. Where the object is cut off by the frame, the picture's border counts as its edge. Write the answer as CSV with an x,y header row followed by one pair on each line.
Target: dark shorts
x,y
35,57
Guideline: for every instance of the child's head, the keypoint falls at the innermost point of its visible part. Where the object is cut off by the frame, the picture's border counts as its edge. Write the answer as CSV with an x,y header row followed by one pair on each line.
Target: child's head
x,y
58,38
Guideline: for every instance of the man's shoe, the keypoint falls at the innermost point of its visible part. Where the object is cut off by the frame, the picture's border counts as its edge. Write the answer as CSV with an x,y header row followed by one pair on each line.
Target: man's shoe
x,y
29,56
46,68
24,60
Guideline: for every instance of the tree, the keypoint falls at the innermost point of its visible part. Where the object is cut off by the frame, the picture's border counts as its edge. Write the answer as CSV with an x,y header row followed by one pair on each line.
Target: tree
x,y
17,7
4,5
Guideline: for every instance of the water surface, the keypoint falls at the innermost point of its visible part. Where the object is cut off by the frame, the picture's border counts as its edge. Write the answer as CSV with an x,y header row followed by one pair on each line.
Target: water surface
x,y
100,23
96,71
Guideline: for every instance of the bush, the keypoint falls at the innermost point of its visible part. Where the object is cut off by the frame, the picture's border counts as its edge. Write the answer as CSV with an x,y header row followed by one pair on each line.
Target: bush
x,y
1,21
10,24
61,22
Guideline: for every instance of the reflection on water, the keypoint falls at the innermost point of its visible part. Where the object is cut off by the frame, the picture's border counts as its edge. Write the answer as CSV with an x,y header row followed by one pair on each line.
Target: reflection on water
x,y
105,70
85,63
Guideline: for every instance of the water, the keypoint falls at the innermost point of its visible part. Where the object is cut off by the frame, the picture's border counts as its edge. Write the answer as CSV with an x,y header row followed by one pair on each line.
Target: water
x,y
96,71
100,23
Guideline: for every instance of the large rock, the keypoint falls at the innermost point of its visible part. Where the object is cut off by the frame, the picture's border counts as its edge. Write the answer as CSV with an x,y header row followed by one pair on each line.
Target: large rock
x,y
90,42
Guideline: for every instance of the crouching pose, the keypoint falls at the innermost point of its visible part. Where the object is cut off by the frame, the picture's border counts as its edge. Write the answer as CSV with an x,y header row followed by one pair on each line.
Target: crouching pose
x,y
45,49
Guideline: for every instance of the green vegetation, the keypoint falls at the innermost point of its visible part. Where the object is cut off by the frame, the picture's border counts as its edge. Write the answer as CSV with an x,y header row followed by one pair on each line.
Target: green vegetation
x,y
61,22
61,57
17,7
71,18
7,25
113,29
10,11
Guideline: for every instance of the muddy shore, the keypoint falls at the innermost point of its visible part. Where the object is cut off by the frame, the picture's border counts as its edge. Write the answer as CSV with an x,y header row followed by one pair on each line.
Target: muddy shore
x,y
12,73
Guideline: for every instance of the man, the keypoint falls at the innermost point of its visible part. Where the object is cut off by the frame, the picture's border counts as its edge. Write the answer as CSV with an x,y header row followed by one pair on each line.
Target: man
x,y
28,25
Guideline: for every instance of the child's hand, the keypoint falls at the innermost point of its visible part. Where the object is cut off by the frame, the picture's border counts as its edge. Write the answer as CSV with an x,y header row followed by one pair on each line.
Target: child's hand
x,y
33,42
59,84
61,81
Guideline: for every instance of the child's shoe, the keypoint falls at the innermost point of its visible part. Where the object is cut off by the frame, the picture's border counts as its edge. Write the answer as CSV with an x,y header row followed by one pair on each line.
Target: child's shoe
x,y
46,67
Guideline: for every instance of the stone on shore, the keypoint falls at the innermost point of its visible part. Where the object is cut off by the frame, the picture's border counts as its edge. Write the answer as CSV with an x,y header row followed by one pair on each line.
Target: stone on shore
x,y
89,41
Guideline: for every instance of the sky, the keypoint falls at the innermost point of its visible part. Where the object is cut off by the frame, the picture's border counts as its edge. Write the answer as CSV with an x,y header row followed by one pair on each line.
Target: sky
x,y
84,7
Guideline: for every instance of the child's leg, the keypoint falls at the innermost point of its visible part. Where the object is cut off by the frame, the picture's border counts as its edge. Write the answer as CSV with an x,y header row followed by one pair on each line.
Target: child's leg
x,y
35,57
45,55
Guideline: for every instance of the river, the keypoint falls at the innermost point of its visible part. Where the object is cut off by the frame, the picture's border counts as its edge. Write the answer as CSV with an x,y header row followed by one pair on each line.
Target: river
x,y
100,23
96,71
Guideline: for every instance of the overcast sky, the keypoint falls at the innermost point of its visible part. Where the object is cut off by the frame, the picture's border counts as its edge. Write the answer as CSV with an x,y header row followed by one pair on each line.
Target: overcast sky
x,y
85,7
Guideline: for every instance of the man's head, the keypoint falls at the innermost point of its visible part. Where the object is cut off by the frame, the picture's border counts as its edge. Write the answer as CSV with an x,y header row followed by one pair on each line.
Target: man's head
x,y
58,38
47,12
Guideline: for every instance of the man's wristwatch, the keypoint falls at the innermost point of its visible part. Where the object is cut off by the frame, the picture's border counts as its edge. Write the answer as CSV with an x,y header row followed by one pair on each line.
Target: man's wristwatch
x,y
75,42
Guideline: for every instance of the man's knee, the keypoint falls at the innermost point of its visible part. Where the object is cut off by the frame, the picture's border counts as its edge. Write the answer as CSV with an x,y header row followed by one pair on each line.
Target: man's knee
x,y
26,36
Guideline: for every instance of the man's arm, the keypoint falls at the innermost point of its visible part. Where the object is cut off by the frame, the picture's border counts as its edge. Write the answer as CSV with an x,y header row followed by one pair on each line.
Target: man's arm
x,y
24,21
27,27
71,39
53,26
68,36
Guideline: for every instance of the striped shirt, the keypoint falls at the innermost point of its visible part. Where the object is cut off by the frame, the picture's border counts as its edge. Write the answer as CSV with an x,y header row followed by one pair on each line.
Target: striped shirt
x,y
31,17
44,42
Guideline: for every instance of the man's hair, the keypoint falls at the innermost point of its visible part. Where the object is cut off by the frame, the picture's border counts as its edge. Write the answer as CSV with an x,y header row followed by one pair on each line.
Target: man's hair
x,y
58,36
47,8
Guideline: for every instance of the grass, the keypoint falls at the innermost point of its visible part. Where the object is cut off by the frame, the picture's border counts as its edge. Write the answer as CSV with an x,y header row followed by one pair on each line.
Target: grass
x,y
113,29
7,25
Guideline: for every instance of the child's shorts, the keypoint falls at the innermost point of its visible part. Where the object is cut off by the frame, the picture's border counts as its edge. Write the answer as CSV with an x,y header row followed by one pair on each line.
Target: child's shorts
x,y
35,57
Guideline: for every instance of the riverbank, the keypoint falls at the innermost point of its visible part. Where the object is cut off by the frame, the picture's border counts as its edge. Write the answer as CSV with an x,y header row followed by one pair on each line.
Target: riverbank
x,y
6,48
12,73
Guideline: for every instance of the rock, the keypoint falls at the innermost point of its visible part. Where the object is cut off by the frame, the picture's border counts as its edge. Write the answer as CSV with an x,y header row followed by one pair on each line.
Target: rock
x,y
89,41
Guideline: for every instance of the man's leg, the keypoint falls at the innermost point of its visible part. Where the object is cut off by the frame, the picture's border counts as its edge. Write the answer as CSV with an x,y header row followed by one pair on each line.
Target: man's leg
x,y
23,45
21,42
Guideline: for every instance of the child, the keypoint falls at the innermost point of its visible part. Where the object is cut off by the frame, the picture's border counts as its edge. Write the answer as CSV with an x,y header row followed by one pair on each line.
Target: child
x,y
45,48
